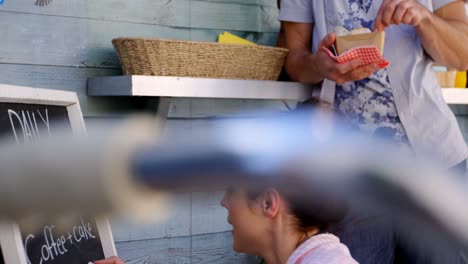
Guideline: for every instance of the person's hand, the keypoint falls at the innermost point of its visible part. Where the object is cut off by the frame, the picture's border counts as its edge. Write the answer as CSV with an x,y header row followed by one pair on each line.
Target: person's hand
x,y
340,72
112,260
396,12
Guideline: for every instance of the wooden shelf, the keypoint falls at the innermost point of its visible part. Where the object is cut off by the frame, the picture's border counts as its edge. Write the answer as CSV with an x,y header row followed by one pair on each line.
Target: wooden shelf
x,y
455,95
162,86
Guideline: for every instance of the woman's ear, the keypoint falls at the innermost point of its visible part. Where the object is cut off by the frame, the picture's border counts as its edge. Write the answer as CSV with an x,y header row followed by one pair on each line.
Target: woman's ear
x,y
271,202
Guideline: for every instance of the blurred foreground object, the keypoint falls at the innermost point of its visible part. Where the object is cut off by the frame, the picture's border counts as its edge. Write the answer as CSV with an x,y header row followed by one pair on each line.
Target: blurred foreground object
x,y
87,175
127,169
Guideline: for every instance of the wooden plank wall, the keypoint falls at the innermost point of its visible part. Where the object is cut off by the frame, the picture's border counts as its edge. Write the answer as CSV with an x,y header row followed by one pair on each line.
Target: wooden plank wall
x,y
61,45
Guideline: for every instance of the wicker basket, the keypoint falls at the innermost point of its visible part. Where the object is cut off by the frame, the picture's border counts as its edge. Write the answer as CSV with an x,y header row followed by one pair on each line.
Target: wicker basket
x,y
159,57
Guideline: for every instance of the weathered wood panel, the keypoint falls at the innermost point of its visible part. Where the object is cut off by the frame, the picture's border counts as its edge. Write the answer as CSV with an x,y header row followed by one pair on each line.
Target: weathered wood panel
x,y
201,108
212,248
175,13
175,223
169,250
207,214
217,249
268,39
74,79
234,17
65,41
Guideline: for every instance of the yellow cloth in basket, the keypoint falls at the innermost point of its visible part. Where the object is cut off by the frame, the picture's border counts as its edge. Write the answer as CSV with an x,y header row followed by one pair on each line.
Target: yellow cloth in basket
x,y
229,38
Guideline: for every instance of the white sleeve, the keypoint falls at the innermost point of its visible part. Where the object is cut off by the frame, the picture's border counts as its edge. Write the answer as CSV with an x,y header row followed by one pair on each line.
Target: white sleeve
x,y
300,11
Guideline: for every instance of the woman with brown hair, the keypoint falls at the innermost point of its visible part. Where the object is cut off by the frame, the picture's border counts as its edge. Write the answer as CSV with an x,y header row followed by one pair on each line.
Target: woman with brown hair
x,y
270,223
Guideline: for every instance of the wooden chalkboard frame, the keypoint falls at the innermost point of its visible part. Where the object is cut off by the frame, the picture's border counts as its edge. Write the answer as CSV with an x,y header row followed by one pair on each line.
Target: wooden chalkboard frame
x,y
10,236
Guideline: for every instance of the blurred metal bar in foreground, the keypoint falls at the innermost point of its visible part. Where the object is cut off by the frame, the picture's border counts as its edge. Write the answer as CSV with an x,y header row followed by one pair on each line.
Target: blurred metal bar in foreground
x,y
87,175
127,169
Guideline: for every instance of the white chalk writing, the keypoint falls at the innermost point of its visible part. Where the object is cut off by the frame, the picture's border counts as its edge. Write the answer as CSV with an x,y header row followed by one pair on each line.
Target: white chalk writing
x,y
55,246
28,123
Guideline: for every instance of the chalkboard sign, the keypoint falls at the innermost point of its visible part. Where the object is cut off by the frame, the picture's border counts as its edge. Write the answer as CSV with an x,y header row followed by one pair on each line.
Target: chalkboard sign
x,y
77,245
27,115
26,123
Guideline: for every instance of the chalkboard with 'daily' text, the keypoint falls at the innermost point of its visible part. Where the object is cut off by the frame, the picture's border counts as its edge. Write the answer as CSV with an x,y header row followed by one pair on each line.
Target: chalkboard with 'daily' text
x,y
27,115
30,122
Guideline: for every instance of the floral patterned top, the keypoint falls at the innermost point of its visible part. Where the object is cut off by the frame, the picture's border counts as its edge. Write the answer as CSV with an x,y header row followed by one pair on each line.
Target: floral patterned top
x,y
413,109
369,103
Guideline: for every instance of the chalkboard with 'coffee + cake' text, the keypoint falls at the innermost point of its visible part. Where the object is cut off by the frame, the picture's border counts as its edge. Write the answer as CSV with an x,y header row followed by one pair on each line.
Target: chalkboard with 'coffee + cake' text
x,y
79,243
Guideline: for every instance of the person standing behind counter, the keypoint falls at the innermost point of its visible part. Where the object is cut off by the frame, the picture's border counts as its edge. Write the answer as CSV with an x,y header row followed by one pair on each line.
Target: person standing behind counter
x,y
402,102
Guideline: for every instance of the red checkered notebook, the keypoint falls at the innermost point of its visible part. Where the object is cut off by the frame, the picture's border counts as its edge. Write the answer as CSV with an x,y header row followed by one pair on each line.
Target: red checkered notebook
x,y
367,54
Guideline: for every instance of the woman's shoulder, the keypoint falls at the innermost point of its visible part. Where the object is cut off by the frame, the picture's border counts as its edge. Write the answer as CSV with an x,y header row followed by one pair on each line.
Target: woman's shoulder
x,y
323,248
